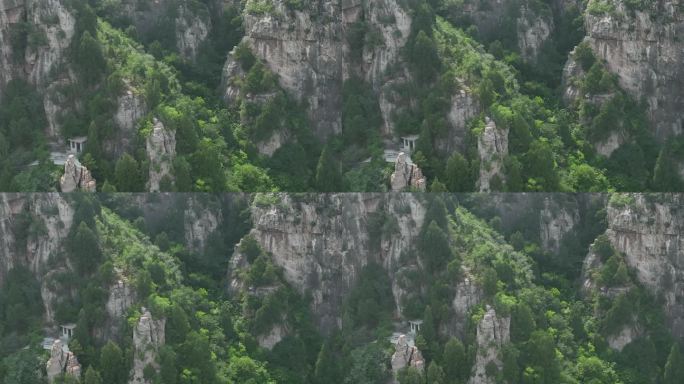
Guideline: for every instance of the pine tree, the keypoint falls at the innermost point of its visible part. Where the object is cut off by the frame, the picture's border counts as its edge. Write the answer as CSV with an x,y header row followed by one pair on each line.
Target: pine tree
x,y
458,174
92,376
434,247
424,58
84,249
327,368
328,176
674,368
665,177
112,366
437,186
435,374
127,174
522,323
454,361
90,59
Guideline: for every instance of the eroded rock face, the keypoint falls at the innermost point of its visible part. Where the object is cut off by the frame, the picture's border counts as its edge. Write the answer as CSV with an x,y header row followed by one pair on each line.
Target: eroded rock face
x,y
54,25
148,337
644,50
130,108
492,147
533,31
121,298
40,63
269,340
201,220
464,107
191,31
406,355
309,50
493,332
468,295
609,145
76,177
532,25
62,361
649,230
55,213
322,242
191,20
161,150
555,221
407,176
571,72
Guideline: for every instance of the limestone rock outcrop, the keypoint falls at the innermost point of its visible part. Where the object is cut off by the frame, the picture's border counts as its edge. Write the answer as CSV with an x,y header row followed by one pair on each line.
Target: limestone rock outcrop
x,y
55,213
41,63
130,108
492,148
201,220
468,295
36,61
532,25
642,47
533,31
493,332
62,361
406,355
407,175
322,242
161,150
76,177
190,20
273,337
555,221
121,298
464,107
309,50
148,337
192,30
649,231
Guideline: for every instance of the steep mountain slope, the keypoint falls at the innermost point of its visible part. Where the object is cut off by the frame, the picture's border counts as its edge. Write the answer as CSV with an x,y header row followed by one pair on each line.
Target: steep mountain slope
x,y
252,92
318,284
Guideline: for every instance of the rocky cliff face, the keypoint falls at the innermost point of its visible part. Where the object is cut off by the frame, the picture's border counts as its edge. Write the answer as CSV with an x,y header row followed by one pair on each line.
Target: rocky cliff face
x,y
533,31
34,54
464,107
76,177
161,150
323,241
493,332
309,49
62,362
649,230
189,21
53,216
148,337
407,176
201,220
643,49
492,147
35,36
555,221
532,22
406,355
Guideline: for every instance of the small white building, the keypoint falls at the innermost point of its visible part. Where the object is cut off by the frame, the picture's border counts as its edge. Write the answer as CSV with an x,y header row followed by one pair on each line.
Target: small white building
x,y
408,143
67,331
415,326
77,144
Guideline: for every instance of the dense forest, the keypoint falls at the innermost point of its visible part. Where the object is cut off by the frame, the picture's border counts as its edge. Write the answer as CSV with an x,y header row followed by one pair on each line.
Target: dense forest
x,y
113,71
233,312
